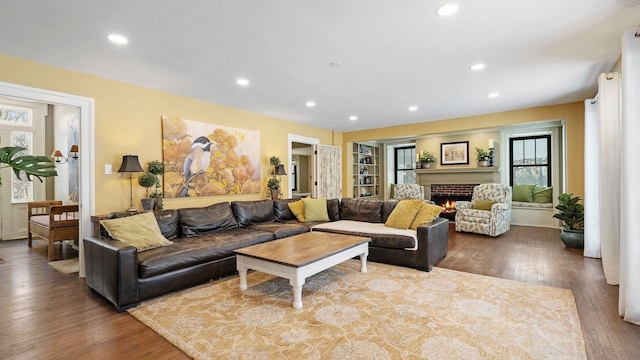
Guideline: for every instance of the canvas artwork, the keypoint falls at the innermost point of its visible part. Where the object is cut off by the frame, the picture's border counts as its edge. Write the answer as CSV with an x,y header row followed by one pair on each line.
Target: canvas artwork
x,y
204,159
454,153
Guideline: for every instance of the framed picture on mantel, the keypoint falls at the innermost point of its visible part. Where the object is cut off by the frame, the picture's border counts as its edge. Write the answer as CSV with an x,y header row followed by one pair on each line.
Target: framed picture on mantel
x,y
454,153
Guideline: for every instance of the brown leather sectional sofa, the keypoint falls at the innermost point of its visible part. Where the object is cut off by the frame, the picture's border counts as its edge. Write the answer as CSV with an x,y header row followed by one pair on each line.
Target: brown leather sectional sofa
x,y
204,240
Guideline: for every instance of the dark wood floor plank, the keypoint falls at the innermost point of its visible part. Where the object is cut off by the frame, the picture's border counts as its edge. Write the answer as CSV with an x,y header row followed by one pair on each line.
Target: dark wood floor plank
x,y
49,315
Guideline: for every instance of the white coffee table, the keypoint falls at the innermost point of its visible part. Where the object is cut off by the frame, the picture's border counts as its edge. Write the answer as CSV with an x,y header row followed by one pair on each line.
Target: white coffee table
x,y
300,256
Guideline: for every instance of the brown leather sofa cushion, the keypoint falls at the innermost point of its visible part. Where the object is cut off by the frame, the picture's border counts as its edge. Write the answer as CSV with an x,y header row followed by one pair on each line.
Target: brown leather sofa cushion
x,y
361,210
168,223
252,212
188,252
281,210
206,220
387,209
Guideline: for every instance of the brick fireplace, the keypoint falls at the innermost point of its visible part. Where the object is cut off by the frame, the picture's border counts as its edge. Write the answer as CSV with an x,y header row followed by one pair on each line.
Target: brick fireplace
x,y
454,184
446,195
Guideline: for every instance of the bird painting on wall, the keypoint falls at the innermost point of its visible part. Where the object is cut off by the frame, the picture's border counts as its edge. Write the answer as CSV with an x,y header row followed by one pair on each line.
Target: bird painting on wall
x,y
196,161
203,159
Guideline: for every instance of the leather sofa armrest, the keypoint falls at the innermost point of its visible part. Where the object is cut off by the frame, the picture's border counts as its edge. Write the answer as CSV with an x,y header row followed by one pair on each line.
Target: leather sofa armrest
x,y
433,243
112,270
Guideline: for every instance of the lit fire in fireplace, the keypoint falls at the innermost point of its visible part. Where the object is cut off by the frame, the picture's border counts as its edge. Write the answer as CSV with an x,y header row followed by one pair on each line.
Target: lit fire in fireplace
x,y
449,206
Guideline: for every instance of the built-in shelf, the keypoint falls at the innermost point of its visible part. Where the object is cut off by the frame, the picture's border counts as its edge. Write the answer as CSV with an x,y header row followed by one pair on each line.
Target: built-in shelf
x,y
486,169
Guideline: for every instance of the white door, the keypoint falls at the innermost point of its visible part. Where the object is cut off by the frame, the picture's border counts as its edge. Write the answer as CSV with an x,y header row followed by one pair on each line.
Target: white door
x,y
19,124
328,172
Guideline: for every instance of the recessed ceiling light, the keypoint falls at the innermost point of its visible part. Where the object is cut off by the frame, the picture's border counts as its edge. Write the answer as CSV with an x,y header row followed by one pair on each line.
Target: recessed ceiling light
x,y
353,118
476,67
310,104
494,94
335,64
242,82
413,108
447,10
118,39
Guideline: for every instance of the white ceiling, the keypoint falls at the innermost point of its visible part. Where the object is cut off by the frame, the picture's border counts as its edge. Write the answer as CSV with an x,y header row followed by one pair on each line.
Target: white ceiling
x,y
394,53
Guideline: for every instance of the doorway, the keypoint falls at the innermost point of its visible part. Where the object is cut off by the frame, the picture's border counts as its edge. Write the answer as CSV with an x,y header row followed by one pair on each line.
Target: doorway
x,y
86,193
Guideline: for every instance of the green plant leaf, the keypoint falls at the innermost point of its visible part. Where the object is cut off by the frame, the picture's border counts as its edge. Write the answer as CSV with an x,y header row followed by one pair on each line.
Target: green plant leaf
x,y
30,165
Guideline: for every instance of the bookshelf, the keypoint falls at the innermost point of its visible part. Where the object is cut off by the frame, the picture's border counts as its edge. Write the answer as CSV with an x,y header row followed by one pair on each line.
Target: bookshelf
x,y
366,171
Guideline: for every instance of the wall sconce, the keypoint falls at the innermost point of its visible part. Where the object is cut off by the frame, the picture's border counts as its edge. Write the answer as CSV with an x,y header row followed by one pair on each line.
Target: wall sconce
x,y
492,146
279,170
131,164
59,158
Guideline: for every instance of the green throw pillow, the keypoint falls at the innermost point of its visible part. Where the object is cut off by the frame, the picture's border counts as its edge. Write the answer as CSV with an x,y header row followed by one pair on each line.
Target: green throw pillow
x,y
483,205
315,209
523,193
141,231
543,194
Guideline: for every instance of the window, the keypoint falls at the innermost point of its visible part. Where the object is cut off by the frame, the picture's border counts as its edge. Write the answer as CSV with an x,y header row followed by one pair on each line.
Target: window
x,y
21,189
405,158
530,160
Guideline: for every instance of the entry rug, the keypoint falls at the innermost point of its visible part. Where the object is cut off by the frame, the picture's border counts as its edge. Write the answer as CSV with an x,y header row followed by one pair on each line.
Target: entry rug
x,y
387,313
68,266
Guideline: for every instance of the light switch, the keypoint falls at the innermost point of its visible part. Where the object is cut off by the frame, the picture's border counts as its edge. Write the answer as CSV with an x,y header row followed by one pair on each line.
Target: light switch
x,y
107,169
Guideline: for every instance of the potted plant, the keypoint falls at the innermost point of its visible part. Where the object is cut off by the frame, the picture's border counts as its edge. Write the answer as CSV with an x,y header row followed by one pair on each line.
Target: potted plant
x,y
572,216
426,158
483,156
273,184
156,168
147,180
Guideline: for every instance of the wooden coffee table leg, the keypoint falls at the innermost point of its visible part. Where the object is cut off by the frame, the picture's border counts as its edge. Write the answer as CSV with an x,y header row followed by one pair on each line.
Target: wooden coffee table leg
x,y
242,272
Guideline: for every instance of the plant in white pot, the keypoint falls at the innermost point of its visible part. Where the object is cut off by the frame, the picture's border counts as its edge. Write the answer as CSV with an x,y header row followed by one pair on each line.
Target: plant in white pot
x,y
483,156
426,158
572,216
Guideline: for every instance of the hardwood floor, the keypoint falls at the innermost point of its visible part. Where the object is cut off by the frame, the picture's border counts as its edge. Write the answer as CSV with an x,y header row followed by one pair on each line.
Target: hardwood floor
x,y
49,315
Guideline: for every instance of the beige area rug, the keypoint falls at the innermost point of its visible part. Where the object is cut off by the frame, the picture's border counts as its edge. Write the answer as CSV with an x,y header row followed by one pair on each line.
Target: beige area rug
x,y
387,313
68,266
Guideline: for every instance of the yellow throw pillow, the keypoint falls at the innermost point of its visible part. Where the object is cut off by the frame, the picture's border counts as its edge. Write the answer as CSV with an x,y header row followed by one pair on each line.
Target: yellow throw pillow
x,y
141,231
483,205
315,209
426,214
297,208
403,214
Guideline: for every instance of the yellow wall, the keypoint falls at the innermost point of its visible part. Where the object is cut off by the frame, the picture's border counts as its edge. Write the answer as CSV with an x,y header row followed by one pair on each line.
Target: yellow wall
x,y
572,113
127,121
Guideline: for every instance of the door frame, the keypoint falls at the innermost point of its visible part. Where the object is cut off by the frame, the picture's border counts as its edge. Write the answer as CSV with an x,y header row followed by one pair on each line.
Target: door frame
x,y
87,165
309,141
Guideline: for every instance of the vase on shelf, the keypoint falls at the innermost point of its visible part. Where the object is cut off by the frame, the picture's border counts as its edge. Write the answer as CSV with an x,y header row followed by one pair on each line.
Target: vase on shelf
x,y
426,165
484,163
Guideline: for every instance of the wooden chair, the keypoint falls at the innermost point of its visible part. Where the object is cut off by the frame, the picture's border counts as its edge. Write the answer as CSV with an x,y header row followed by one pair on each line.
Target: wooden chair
x,y
52,221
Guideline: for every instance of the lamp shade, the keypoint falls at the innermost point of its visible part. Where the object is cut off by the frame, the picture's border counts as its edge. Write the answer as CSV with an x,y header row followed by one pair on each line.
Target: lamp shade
x,y
280,170
57,154
130,163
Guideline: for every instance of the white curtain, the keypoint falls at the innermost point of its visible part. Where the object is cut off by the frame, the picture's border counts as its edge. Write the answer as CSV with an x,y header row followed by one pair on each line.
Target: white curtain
x,y
591,179
609,174
629,296
329,172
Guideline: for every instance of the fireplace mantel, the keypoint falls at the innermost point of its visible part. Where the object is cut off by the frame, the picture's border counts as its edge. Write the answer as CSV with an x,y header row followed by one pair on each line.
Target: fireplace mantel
x,y
476,175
